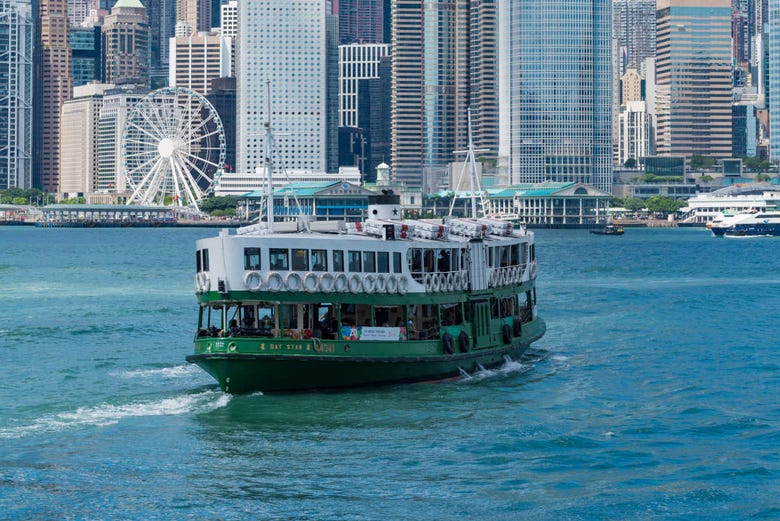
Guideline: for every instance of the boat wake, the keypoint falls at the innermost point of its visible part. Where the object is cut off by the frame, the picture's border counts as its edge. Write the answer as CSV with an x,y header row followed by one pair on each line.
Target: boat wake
x,y
177,371
510,367
109,414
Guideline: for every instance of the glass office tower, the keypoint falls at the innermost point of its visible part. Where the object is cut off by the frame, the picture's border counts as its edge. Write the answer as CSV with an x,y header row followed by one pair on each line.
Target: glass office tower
x,y
555,91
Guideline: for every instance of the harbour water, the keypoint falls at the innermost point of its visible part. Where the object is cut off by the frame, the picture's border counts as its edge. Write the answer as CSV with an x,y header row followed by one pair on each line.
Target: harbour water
x,y
653,395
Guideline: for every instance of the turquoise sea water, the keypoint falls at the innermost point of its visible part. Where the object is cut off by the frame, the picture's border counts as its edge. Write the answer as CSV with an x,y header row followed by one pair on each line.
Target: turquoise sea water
x,y
654,395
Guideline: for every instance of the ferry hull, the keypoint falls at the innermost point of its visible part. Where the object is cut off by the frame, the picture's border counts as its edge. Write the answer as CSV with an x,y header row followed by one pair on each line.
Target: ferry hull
x,y
241,373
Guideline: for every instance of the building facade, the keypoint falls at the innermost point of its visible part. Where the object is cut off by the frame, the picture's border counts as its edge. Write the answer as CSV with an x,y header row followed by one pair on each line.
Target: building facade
x,y
635,132
16,94
774,78
693,81
634,28
162,20
78,138
198,60
85,54
555,105
356,62
195,13
282,50
361,21
483,76
117,106
126,44
54,86
430,46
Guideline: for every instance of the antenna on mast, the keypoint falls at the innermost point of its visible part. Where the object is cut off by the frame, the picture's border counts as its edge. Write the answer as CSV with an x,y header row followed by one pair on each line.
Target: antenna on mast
x,y
473,179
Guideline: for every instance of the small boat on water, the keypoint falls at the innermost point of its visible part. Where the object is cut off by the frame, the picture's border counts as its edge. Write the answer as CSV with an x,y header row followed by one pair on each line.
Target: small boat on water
x,y
609,229
316,305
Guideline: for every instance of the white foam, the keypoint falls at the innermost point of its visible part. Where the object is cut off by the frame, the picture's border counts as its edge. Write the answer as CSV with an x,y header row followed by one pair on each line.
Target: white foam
x,y
177,371
109,414
560,358
510,367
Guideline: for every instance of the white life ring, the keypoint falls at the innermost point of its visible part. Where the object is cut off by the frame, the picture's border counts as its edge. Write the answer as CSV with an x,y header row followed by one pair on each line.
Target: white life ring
x,y
355,284
428,281
310,282
392,284
494,278
369,282
274,281
340,283
436,282
202,282
293,281
253,281
403,284
381,284
450,281
326,282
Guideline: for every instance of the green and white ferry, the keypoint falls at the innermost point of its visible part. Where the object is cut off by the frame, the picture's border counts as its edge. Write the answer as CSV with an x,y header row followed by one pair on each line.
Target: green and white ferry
x,y
317,305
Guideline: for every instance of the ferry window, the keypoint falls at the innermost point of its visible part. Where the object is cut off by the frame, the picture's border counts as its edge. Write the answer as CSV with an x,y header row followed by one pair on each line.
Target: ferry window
x,y
280,259
397,262
319,260
416,265
383,262
491,257
251,258
504,256
300,260
443,263
533,252
338,260
205,260
354,261
197,262
515,255
428,261
369,261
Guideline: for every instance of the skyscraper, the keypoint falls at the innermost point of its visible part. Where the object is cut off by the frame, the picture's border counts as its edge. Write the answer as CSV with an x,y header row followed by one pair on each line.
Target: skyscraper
x,y
774,79
16,94
430,49
126,44
483,75
694,81
555,91
85,53
162,20
634,28
196,13
199,59
282,46
361,21
356,61
54,86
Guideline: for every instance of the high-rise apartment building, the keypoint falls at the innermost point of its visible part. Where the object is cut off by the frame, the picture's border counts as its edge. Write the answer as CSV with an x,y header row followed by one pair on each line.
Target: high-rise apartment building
x,y
357,61
54,86
16,94
282,49
78,11
199,59
634,27
126,44
555,91
430,49
361,21
694,80
78,138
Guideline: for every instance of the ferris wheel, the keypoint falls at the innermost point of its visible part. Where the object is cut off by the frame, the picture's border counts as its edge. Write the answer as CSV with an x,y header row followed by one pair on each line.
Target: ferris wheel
x,y
173,146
